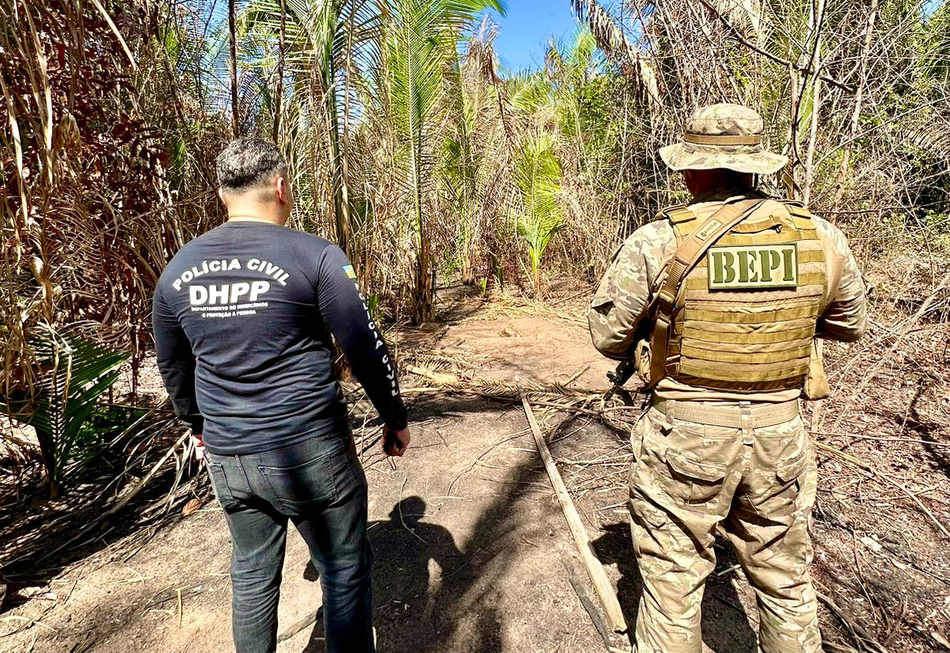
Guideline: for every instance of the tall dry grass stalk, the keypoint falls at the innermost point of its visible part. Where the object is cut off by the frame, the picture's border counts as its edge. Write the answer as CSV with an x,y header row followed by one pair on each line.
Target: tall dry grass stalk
x,y
87,182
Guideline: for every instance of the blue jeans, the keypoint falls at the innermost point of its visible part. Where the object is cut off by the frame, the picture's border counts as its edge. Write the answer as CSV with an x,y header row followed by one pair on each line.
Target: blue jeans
x,y
320,486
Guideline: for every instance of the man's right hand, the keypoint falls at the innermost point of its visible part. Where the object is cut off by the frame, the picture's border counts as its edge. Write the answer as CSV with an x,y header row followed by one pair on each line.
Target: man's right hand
x,y
395,443
199,443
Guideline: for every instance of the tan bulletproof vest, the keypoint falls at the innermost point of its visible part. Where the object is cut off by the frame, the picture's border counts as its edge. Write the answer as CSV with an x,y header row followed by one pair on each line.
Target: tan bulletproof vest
x,y
746,316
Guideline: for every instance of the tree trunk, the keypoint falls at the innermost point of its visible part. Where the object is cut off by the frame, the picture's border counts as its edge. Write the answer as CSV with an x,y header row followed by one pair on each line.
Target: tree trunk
x,y
232,36
344,170
279,93
858,100
47,444
422,293
817,20
341,200
794,159
338,170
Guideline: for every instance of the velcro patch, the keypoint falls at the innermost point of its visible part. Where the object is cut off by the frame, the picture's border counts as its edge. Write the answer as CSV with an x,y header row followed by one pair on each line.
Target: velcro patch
x,y
755,267
350,272
708,229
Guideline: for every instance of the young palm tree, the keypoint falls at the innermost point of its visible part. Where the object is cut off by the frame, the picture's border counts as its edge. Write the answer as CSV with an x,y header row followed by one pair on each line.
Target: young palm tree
x,y
421,45
538,176
472,170
324,48
76,374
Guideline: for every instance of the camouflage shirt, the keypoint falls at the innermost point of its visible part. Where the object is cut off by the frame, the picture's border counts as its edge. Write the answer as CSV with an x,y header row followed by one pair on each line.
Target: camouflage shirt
x,y
620,306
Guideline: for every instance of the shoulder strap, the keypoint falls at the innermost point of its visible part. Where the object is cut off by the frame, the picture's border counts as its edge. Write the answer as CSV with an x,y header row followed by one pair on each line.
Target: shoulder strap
x,y
797,209
734,211
677,214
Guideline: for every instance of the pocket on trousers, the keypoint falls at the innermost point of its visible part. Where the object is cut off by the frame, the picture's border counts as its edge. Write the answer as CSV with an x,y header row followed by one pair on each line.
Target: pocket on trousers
x,y
219,483
652,538
694,481
636,435
303,485
648,515
791,470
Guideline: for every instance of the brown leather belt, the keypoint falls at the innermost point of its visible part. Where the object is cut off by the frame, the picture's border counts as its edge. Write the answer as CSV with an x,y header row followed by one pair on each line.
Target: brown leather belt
x,y
729,414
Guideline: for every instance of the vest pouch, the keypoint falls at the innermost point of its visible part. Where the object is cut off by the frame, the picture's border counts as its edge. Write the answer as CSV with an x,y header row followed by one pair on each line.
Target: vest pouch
x,y
816,383
772,223
643,359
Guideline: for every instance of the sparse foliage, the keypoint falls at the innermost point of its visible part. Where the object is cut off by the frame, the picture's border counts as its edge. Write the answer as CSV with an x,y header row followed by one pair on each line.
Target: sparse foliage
x,y
413,150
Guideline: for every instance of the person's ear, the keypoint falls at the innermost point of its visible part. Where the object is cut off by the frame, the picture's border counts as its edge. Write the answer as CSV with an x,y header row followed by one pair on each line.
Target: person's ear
x,y
221,195
283,191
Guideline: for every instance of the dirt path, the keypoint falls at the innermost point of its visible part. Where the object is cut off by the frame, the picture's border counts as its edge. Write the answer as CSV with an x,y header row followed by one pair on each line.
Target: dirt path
x,y
472,552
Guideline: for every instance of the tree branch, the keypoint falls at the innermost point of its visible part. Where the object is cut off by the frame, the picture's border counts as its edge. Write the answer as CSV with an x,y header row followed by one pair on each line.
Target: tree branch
x,y
808,70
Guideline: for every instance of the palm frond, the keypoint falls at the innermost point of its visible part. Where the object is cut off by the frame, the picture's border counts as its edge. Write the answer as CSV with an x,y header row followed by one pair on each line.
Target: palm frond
x,y
611,38
538,175
753,17
76,374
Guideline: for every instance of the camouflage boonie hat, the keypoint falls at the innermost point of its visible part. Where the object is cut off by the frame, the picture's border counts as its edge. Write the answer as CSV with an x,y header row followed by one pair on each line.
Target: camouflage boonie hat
x,y
723,136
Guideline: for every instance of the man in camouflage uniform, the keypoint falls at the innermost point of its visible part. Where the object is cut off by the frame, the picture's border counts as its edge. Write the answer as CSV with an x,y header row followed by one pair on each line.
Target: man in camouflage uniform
x,y
724,442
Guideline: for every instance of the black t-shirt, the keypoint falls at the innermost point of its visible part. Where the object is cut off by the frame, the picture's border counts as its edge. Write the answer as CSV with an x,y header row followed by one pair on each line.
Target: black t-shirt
x,y
243,318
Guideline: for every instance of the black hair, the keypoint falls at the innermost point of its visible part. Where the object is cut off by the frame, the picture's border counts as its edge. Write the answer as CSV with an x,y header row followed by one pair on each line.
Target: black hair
x,y
249,162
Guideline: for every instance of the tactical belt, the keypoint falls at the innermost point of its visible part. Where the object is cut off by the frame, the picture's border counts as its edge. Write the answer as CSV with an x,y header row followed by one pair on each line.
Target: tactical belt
x,y
729,415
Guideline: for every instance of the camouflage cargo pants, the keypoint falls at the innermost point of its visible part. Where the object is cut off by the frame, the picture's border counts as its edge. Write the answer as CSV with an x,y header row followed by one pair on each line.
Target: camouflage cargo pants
x,y
759,482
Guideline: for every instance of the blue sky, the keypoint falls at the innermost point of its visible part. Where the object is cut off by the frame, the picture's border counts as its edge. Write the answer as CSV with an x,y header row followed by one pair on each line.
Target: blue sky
x,y
528,27
523,35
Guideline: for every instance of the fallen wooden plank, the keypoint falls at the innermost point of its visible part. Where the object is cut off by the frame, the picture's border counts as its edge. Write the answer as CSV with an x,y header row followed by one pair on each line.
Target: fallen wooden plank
x,y
300,625
602,585
613,642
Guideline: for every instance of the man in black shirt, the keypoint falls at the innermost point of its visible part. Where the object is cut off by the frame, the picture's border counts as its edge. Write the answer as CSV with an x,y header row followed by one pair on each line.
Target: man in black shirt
x,y
243,319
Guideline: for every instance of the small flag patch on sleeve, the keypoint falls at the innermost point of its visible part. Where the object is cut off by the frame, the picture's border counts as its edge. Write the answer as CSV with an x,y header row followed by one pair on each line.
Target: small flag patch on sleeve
x,y
350,272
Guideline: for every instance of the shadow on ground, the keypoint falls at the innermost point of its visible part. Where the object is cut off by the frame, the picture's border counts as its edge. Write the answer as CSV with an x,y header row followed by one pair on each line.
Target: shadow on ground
x,y
418,570
427,585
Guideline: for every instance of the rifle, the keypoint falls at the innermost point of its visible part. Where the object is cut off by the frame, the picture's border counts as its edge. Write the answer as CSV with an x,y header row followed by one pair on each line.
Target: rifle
x,y
628,366
624,372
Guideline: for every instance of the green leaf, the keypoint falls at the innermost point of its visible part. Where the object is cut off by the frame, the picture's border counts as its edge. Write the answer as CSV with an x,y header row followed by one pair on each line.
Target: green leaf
x,y
538,176
75,374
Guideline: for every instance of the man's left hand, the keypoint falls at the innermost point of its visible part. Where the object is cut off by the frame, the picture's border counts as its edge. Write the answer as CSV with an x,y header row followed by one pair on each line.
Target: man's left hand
x,y
395,442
